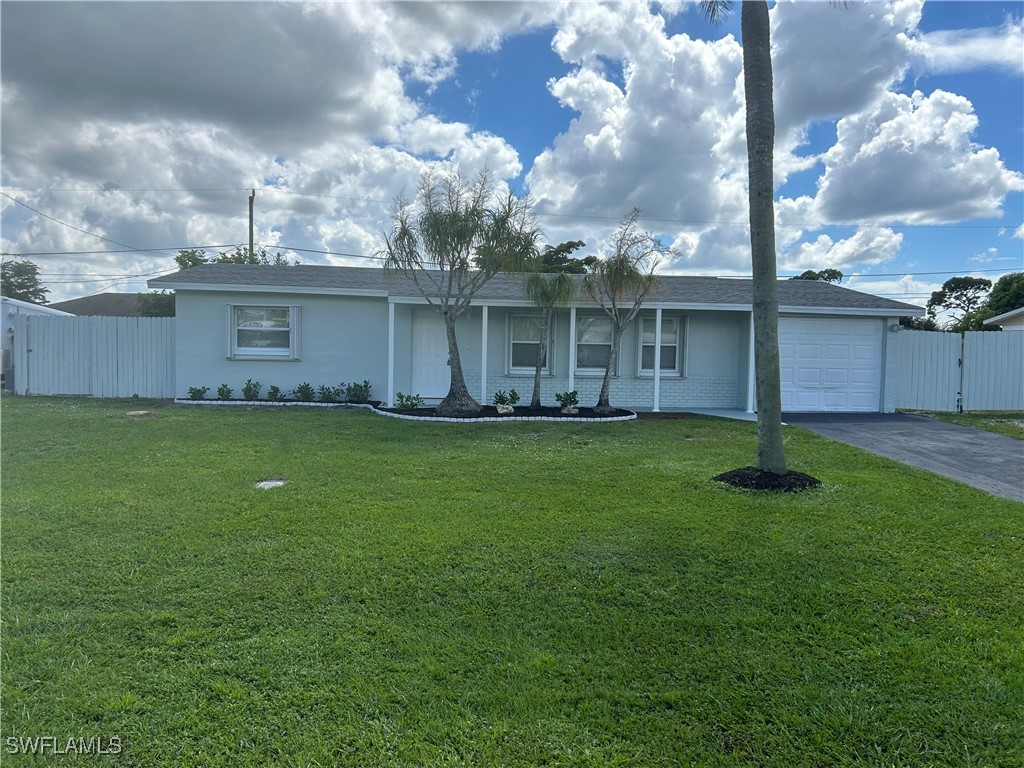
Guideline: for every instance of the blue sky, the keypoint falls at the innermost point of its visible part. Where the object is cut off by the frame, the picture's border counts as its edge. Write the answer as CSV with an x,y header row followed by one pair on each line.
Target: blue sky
x,y
899,154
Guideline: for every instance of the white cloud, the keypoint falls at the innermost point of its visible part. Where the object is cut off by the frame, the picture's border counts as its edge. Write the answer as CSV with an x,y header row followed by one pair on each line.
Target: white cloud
x,y
912,159
866,246
966,50
1019,232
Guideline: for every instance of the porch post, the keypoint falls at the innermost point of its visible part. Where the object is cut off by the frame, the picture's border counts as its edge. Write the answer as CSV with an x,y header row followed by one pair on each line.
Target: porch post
x,y
657,356
483,355
391,355
750,369
572,348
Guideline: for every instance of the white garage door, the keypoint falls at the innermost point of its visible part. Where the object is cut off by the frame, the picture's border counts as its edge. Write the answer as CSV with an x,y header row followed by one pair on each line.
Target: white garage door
x,y
831,364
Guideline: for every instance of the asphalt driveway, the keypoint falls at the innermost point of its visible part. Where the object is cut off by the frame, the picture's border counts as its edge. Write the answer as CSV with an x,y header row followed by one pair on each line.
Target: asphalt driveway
x,y
991,462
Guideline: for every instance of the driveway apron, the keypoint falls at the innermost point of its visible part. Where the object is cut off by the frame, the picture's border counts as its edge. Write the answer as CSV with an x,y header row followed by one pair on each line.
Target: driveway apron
x,y
985,460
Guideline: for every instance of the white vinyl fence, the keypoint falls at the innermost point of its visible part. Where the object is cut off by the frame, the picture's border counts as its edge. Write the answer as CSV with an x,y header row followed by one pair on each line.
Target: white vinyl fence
x,y
983,370
97,356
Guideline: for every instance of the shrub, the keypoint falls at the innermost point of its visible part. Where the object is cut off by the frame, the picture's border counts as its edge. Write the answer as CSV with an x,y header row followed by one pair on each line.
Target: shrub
x,y
358,393
407,402
328,394
197,393
501,397
251,390
224,392
568,399
274,393
303,392
342,392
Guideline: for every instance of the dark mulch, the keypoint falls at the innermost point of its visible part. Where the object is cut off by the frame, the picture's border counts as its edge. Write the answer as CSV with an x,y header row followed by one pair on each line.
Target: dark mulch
x,y
760,480
490,412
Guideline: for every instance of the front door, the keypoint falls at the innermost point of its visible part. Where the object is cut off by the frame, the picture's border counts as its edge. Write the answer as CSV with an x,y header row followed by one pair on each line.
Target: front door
x,y
431,374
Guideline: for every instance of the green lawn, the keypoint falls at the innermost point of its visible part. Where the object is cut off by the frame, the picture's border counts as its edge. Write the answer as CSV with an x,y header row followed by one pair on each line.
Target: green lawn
x,y
1010,423
494,595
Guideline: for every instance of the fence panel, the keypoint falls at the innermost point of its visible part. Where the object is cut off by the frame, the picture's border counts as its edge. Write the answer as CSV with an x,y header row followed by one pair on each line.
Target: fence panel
x,y
98,356
929,371
993,371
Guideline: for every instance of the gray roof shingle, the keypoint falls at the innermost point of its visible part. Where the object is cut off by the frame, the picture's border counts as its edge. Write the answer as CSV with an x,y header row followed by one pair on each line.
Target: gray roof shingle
x,y
671,289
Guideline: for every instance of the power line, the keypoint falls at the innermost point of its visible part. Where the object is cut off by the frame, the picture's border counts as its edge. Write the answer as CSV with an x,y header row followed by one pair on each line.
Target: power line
x,y
77,229
590,217
118,250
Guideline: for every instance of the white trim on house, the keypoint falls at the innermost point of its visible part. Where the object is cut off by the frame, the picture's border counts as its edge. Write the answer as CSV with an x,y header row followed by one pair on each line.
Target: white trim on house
x,y
1016,315
290,353
391,355
483,354
526,370
304,289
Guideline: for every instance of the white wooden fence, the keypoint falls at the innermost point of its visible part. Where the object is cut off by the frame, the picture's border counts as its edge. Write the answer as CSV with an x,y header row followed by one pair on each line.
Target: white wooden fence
x,y
984,368
98,356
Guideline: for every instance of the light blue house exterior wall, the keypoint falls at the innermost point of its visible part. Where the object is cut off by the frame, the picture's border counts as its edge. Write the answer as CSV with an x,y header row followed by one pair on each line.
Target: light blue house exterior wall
x,y
346,338
341,339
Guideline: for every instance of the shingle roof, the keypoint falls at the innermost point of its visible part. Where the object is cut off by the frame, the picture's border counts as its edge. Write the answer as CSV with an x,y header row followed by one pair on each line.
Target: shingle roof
x,y
671,289
105,304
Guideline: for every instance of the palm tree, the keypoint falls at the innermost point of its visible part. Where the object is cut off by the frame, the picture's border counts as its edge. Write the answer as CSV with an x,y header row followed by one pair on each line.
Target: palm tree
x,y
620,284
546,291
757,87
458,237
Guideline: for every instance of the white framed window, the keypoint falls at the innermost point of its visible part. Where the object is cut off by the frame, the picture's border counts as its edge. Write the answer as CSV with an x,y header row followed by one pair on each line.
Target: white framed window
x,y
672,348
263,331
524,332
593,343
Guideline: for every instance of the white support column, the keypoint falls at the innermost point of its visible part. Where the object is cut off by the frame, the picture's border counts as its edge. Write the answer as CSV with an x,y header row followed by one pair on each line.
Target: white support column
x,y
391,355
751,381
572,348
657,357
483,355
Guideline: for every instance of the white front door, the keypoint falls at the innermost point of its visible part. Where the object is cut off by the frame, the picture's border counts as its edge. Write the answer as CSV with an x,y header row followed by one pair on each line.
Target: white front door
x,y
431,374
830,364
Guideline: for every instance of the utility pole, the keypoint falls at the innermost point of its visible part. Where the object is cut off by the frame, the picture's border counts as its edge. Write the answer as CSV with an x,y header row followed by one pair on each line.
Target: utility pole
x,y
252,199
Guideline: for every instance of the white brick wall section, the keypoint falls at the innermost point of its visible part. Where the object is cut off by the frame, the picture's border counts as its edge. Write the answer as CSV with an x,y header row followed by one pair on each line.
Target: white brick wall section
x,y
694,391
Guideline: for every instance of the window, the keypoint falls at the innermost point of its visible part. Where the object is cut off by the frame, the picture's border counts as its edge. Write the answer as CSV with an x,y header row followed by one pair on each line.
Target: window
x,y
524,339
671,344
263,331
593,343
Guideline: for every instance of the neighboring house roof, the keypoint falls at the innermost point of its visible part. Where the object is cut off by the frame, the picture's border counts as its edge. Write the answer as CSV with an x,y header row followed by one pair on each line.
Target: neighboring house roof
x,y
676,290
105,304
1012,319
19,307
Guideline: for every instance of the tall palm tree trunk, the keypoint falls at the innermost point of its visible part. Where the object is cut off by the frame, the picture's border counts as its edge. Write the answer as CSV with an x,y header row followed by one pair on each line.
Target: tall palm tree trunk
x,y
757,85
542,354
603,399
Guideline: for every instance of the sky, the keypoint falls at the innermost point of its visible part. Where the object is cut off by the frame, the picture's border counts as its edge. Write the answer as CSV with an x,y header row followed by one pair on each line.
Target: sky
x,y
131,130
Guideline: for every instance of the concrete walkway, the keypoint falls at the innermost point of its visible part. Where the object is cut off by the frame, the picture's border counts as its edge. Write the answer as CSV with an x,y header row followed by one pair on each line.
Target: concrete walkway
x,y
985,460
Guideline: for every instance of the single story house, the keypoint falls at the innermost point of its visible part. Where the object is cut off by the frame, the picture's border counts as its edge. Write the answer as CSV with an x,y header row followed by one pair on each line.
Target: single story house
x,y
285,325
1008,321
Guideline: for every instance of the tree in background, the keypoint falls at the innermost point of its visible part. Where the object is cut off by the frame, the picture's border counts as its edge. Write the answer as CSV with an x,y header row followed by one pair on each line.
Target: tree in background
x,y
621,283
455,238
156,304
825,276
192,257
547,290
963,295
1007,294
19,279
556,258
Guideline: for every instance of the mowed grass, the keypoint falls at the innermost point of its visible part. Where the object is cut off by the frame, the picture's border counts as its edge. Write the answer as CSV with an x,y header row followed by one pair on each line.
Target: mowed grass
x,y
1009,423
494,595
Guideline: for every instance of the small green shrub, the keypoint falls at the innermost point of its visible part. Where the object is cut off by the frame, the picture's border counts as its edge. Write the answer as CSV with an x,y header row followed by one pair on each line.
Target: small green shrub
x,y
407,402
513,397
358,393
274,393
251,390
328,394
224,392
197,393
304,392
568,399
342,392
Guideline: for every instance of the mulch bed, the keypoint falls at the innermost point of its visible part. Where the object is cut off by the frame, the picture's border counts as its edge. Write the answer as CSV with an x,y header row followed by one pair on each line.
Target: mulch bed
x,y
490,412
756,479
